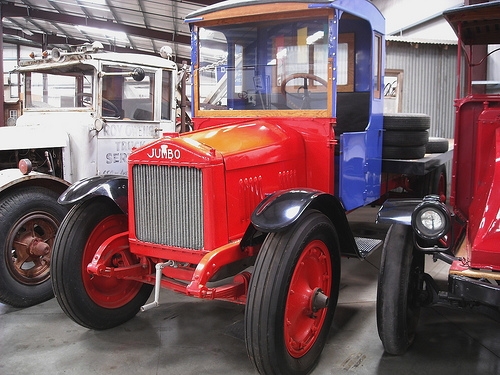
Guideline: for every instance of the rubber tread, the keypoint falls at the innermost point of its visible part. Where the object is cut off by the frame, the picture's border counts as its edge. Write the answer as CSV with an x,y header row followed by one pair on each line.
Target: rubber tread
x,y
407,121
396,328
405,153
401,138
436,145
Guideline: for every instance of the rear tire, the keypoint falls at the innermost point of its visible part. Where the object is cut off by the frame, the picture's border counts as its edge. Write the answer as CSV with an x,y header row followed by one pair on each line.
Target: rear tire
x,y
93,301
399,283
283,335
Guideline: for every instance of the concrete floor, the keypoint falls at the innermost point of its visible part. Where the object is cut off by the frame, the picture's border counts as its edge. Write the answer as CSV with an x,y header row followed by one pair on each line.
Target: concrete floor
x,y
190,336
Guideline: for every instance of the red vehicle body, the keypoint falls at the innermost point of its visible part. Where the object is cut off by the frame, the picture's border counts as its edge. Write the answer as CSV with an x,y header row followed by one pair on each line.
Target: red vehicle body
x,y
251,207
466,236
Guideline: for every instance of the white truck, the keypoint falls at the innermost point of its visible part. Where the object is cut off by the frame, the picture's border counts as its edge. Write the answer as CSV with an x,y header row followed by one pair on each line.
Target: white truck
x,y
84,111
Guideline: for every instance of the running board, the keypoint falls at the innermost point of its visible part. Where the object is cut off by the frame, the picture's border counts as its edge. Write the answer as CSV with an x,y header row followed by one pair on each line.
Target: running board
x,y
366,245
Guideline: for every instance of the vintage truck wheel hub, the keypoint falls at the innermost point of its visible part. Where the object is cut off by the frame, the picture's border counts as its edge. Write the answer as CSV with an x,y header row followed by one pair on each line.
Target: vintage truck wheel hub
x,y
30,262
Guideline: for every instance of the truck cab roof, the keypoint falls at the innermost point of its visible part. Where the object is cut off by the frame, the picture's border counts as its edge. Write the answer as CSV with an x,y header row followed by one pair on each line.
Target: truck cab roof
x,y
476,24
62,59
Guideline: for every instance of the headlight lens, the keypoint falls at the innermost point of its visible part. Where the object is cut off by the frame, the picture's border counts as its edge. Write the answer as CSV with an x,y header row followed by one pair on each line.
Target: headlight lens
x,y
431,220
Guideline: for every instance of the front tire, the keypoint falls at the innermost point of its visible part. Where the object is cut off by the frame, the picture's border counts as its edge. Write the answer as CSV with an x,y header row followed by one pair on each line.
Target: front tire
x,y
399,284
29,218
295,271
93,301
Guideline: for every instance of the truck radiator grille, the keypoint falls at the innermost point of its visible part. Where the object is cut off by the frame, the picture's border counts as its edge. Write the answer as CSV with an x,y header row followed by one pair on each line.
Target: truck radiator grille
x,y
168,205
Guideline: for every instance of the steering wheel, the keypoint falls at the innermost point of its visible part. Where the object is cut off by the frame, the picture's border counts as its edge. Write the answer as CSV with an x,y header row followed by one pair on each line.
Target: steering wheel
x,y
306,98
108,108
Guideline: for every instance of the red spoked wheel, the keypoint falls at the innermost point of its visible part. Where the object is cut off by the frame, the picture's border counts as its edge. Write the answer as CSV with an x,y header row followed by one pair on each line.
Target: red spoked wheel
x,y
108,292
307,297
94,301
292,296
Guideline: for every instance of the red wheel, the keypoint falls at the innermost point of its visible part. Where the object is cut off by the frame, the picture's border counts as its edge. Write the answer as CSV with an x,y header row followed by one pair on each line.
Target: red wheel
x,y
108,292
292,296
94,301
311,279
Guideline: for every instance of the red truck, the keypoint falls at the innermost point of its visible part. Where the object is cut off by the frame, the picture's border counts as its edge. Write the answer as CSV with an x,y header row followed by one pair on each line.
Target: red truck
x,y
465,235
251,207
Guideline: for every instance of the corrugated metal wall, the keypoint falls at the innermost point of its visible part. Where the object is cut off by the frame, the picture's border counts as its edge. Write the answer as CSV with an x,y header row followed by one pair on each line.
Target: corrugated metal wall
x,y
429,81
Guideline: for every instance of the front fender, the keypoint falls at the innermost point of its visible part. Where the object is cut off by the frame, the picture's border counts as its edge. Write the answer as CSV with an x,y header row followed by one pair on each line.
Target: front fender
x,y
281,210
114,187
13,178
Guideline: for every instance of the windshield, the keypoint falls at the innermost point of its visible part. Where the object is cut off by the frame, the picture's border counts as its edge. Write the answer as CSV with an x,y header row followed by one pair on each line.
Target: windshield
x,y
55,90
281,65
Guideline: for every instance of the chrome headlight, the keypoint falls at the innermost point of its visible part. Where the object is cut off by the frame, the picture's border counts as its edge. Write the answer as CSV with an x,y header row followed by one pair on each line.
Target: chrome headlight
x,y
431,219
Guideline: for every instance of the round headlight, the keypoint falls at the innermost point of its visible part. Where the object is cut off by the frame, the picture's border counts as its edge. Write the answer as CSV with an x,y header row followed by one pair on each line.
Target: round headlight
x,y
431,220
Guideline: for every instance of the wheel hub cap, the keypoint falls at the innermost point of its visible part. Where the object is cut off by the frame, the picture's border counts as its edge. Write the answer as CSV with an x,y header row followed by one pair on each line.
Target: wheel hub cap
x,y
307,299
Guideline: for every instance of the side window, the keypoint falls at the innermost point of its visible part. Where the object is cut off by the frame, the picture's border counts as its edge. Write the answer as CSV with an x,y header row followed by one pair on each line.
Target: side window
x,y
345,63
166,91
377,64
125,98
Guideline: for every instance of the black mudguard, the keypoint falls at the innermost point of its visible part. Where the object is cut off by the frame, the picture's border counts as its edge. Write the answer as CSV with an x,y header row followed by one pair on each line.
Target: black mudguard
x,y
114,187
282,209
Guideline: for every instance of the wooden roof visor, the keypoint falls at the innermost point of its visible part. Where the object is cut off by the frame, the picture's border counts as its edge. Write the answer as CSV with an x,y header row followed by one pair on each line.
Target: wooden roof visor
x,y
478,24
238,11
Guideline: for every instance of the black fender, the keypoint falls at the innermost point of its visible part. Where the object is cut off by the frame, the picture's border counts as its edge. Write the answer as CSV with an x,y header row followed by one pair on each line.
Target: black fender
x,y
282,209
114,187
395,211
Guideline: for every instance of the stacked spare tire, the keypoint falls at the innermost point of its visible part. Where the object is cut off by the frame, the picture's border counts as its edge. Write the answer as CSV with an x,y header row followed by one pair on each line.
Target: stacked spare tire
x,y
406,136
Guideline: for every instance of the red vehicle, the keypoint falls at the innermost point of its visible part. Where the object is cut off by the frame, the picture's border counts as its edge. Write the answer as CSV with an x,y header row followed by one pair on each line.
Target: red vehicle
x,y
466,235
251,207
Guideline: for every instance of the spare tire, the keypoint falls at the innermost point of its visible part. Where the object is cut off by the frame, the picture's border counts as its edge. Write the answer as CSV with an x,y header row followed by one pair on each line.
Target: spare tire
x,y
436,145
405,138
407,121
394,152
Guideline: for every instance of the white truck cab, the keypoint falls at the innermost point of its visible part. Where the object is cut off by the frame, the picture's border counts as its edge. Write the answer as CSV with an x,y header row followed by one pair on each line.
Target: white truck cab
x,y
84,112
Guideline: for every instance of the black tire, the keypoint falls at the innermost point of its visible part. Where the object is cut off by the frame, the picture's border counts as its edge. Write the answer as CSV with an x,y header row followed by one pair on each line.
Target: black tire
x,y
399,284
93,302
436,145
29,218
393,152
400,138
283,261
407,121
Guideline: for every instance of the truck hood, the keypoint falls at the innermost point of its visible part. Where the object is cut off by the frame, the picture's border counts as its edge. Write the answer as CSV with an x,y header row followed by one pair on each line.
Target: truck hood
x,y
43,129
243,144
19,138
